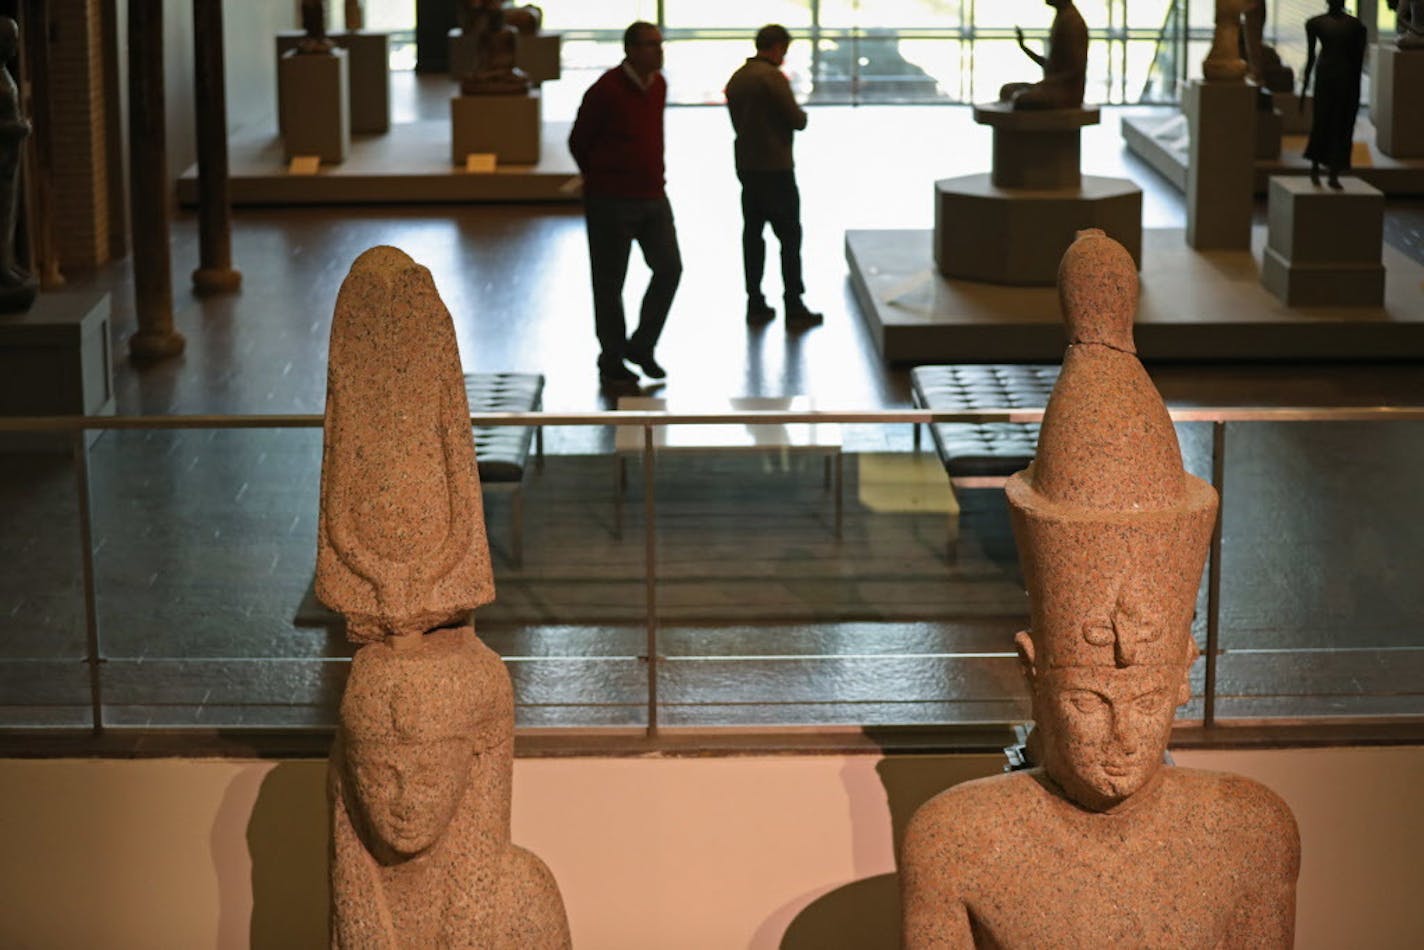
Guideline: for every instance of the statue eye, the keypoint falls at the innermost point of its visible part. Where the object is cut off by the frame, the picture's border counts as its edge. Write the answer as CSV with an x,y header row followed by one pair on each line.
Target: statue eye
x,y
1099,633
1085,702
1150,703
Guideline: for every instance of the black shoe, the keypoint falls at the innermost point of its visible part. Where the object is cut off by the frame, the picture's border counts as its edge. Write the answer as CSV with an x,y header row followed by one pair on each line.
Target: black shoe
x,y
618,379
798,316
759,311
645,362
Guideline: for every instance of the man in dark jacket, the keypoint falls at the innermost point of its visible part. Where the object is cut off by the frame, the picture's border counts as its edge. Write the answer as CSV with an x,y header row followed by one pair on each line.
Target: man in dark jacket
x,y
617,140
765,116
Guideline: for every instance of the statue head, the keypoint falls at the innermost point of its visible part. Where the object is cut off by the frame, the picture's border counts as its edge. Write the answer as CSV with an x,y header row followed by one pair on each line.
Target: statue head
x,y
415,714
1112,536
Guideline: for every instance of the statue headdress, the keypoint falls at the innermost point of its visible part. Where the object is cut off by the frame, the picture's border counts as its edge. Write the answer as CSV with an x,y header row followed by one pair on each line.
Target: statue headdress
x,y
1112,533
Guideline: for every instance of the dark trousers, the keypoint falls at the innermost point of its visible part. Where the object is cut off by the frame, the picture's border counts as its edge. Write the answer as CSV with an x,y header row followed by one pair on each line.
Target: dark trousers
x,y
613,225
771,198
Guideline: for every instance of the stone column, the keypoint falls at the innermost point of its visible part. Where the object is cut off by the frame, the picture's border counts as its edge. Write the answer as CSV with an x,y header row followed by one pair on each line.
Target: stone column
x,y
215,273
148,188
1221,164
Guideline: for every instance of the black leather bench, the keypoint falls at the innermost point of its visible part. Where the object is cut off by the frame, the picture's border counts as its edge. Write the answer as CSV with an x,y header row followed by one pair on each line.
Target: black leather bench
x,y
502,452
981,455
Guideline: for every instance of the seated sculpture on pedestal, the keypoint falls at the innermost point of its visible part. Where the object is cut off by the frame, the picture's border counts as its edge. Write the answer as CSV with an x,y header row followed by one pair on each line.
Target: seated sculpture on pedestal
x,y
1342,40
495,30
1101,844
1065,68
419,776
17,288
314,25
1409,23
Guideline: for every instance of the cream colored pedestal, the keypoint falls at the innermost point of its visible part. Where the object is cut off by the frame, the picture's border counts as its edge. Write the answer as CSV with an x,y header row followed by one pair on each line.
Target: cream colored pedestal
x,y
369,73
314,96
1220,164
505,126
55,361
1324,247
1036,149
538,55
1398,82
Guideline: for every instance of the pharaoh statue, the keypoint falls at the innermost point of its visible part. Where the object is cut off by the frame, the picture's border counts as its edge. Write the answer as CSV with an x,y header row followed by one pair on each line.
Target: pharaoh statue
x,y
314,26
355,16
1065,68
419,781
1342,40
494,72
17,288
1101,843
1409,23
1223,61
1263,63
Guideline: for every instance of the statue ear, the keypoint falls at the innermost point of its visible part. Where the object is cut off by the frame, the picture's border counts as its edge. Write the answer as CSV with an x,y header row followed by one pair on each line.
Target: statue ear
x,y
1023,643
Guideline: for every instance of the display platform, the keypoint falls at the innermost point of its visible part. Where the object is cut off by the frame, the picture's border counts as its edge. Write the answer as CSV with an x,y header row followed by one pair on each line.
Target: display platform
x,y
1208,306
411,163
1161,141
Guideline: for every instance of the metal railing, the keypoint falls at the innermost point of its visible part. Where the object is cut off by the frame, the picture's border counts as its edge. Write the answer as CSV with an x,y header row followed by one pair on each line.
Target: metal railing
x,y
79,429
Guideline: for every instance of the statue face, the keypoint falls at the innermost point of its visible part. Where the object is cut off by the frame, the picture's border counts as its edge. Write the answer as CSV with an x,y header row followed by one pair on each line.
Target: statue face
x,y
409,790
1105,729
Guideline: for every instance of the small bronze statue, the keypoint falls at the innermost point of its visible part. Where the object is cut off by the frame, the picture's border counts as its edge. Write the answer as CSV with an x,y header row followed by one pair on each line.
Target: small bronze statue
x,y
17,288
1065,68
314,25
1408,22
1342,39
494,72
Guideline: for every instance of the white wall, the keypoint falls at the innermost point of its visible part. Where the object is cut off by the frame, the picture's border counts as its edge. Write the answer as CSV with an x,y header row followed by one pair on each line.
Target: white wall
x,y
649,852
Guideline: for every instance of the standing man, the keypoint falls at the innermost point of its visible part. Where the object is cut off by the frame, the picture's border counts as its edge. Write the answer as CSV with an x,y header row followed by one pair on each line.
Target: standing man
x,y
765,116
617,140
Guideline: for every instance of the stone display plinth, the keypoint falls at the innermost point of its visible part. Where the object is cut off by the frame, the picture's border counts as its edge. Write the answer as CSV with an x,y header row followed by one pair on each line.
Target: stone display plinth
x,y
1294,119
538,55
55,361
462,53
1017,236
369,93
505,126
1222,120
1324,245
1036,148
1396,84
313,93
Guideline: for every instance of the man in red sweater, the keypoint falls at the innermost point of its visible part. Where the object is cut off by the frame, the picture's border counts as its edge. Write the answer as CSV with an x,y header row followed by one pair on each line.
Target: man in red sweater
x,y
617,140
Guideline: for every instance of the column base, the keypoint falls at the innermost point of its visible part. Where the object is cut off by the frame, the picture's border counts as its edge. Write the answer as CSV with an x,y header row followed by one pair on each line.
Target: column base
x,y
152,346
216,280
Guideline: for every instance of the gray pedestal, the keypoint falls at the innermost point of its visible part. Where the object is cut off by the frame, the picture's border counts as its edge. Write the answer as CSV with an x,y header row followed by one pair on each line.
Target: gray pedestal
x,y
1396,110
370,77
462,54
1324,247
507,126
1270,126
538,55
313,92
1222,118
1035,149
1017,236
55,361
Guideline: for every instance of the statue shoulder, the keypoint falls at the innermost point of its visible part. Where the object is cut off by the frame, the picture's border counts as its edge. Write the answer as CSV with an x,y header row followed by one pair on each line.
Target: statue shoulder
x,y
974,811
1240,809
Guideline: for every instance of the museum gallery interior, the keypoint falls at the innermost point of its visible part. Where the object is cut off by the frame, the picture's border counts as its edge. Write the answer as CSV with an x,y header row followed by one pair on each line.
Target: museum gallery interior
x,y
982,511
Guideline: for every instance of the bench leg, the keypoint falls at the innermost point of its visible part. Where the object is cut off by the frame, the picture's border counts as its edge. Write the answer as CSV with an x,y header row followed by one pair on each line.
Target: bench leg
x,y
915,426
516,525
539,449
620,485
840,489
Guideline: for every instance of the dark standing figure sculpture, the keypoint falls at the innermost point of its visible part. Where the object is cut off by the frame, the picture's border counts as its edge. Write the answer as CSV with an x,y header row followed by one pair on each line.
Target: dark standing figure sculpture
x,y
1342,40
17,288
314,25
1065,68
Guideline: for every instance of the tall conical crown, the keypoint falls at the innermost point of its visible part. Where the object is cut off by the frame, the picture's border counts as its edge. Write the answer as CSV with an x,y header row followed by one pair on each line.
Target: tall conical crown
x,y
1112,533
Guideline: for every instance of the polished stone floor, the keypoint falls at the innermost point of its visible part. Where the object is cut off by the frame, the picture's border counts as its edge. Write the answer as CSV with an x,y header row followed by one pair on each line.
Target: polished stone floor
x,y
204,540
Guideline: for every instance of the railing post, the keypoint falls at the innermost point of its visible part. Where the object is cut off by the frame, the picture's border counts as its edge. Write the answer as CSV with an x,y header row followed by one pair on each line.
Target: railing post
x,y
1213,577
94,656
650,577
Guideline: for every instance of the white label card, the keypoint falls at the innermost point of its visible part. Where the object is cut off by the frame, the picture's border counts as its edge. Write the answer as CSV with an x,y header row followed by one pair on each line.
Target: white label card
x,y
304,165
480,163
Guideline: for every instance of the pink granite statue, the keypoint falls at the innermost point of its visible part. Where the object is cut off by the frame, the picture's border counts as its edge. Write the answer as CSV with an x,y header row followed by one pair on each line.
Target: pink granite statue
x,y
494,72
355,16
1101,844
419,778
1065,68
1223,61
